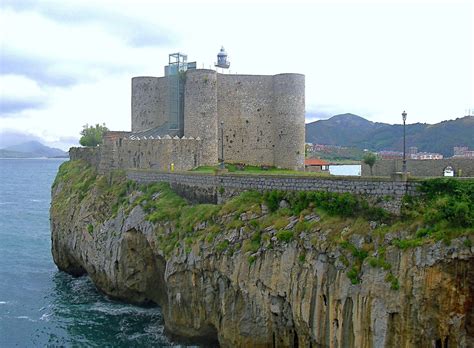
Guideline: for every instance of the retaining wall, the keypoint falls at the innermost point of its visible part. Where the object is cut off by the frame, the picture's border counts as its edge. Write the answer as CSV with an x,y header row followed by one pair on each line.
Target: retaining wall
x,y
422,168
206,188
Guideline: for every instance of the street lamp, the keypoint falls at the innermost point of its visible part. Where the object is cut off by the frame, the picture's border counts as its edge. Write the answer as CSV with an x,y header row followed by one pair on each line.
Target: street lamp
x,y
222,165
404,167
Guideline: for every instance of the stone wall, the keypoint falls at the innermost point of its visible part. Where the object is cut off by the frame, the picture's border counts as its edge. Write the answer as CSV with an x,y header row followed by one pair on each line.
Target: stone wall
x,y
207,188
120,152
245,105
88,154
422,168
263,119
150,102
200,111
263,116
289,113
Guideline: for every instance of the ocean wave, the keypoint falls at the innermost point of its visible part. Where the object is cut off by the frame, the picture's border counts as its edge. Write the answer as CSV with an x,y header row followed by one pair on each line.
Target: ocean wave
x,y
25,317
112,308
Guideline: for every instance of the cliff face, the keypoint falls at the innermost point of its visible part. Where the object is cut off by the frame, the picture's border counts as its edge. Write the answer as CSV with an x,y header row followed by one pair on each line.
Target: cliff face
x,y
283,280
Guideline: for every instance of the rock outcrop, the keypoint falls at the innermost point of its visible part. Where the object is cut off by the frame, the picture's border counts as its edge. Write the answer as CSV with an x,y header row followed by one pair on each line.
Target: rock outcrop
x,y
297,292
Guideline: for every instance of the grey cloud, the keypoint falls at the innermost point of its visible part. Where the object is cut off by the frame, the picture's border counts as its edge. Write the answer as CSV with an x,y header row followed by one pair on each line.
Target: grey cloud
x,y
38,69
10,107
44,71
134,31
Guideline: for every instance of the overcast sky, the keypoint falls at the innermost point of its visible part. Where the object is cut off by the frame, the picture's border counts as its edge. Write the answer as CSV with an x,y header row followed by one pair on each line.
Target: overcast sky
x,y
68,63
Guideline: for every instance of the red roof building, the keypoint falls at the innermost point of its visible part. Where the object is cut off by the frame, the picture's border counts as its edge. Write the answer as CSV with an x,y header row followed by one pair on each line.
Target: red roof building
x,y
316,165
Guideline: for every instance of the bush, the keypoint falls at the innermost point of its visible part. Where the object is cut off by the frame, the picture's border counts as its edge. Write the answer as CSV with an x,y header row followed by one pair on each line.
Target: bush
x,y
284,236
353,275
273,198
92,135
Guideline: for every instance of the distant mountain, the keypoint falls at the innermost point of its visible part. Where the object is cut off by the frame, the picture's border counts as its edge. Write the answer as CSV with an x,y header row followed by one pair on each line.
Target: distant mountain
x,y
31,149
354,131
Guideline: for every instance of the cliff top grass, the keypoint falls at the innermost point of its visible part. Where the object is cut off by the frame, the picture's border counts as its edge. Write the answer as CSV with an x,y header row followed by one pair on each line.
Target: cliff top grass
x,y
256,170
444,211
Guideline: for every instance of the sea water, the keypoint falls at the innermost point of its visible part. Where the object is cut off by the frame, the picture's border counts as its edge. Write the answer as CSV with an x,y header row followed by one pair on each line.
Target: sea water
x,y
39,305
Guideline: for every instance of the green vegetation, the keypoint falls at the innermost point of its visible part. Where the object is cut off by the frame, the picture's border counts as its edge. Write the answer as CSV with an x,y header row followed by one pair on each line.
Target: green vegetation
x,y
253,170
336,204
379,261
369,159
92,135
394,284
285,236
354,131
444,211
353,275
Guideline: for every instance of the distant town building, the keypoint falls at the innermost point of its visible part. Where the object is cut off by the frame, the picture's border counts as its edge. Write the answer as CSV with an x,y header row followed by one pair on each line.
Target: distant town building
x,y
390,154
426,156
463,152
316,165
412,154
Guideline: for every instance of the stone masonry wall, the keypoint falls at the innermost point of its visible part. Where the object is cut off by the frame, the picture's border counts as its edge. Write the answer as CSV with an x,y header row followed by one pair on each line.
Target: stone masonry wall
x,y
159,154
245,105
150,99
262,115
289,114
200,111
217,188
124,153
88,154
263,119
422,168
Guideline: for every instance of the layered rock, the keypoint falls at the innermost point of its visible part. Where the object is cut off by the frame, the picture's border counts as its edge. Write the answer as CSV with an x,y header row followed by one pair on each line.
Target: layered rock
x,y
287,293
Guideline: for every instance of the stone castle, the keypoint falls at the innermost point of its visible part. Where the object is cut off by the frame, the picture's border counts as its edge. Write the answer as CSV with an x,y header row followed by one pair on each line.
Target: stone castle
x,y
193,117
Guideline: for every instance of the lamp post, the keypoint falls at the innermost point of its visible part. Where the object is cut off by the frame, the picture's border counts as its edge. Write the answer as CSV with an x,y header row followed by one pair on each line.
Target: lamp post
x,y
404,167
222,165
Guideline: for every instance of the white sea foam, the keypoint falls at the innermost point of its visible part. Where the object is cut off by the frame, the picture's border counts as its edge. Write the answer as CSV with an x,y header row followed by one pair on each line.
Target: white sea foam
x,y
45,316
3,302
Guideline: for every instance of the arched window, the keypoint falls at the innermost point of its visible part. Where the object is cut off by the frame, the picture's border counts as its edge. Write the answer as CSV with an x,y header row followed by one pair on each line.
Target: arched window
x,y
448,171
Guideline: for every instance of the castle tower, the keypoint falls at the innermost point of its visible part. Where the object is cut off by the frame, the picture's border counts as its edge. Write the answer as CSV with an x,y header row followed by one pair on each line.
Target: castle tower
x,y
289,117
200,112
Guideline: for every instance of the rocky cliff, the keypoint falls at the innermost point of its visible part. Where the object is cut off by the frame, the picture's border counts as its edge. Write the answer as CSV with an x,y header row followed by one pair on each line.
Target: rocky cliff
x,y
249,274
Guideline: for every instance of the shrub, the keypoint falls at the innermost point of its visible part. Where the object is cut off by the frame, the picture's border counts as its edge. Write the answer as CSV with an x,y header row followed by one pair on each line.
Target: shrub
x,y
92,135
284,236
273,198
353,275
394,284
222,246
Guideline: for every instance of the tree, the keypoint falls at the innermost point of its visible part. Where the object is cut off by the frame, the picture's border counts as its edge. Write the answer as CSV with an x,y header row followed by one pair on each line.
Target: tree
x,y
369,159
92,135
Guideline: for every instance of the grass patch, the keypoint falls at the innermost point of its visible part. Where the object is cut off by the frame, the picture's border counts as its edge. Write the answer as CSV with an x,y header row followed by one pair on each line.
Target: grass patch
x,y
256,170
394,284
285,236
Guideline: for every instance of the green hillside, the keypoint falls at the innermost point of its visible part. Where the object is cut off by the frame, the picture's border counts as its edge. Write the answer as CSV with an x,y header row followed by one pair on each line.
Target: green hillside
x,y
354,131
